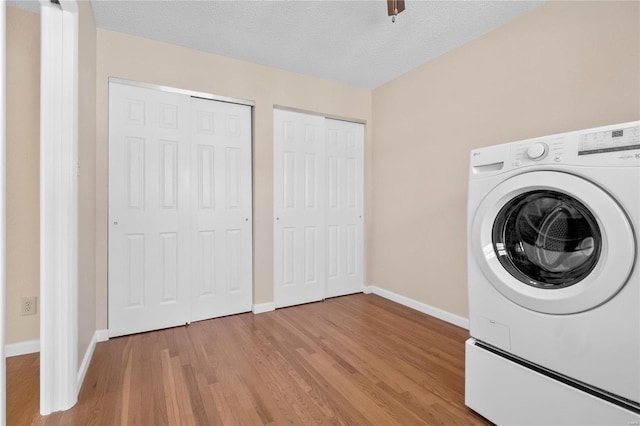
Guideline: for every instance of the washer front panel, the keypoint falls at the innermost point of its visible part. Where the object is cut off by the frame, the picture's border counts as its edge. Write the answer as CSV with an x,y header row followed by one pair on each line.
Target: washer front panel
x,y
553,242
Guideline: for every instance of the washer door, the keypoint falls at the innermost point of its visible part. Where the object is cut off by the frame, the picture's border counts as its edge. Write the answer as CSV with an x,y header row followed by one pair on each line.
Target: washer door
x,y
553,242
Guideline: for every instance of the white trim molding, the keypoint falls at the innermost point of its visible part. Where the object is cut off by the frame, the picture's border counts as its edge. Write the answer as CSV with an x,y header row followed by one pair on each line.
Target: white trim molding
x,y
419,306
261,308
3,51
102,335
191,93
98,336
82,371
22,348
58,205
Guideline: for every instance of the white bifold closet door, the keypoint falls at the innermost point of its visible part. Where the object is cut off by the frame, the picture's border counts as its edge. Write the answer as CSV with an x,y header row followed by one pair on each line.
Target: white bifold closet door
x,y
299,208
344,185
221,209
318,208
179,209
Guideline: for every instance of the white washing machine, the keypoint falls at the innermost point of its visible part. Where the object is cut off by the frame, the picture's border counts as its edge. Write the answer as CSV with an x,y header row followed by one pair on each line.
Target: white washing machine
x,y
554,279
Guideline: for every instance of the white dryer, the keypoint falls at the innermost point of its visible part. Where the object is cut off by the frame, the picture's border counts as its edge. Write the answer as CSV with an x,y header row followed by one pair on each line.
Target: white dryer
x,y
554,280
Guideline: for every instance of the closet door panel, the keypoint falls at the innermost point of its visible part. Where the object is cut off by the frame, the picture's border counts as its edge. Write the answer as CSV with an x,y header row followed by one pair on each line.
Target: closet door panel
x,y
221,213
149,248
299,208
345,209
180,209
318,208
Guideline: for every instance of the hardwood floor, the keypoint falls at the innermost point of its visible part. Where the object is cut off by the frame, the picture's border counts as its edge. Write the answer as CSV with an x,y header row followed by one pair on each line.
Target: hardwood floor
x,y
353,360
23,389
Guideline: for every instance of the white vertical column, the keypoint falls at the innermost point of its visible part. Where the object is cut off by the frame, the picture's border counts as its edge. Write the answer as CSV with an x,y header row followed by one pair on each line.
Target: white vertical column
x,y
58,206
3,127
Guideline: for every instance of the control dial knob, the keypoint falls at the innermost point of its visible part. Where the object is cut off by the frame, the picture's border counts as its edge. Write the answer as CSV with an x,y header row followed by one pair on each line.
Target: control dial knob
x,y
537,151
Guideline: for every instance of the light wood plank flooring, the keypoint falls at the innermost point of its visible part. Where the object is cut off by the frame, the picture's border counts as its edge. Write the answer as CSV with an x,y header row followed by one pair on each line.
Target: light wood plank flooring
x,y
354,360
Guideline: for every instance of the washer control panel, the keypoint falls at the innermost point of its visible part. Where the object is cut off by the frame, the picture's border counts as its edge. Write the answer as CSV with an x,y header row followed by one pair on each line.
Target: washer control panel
x,y
607,145
615,145
622,139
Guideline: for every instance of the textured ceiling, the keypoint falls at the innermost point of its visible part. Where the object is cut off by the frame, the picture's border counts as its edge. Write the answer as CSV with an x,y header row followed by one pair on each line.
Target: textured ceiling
x,y
352,42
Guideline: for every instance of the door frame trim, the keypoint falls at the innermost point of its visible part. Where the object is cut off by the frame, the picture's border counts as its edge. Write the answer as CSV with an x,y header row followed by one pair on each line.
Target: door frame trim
x,y
322,114
182,91
3,122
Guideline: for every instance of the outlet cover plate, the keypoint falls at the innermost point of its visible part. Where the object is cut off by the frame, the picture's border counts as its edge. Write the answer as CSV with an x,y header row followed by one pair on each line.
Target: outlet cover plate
x,y
29,305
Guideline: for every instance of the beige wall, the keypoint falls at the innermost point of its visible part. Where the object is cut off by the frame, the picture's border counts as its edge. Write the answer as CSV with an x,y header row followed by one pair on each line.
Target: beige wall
x,y
23,172
563,66
87,178
143,60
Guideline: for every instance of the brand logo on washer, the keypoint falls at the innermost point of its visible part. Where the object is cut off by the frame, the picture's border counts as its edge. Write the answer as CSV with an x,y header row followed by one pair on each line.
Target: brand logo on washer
x,y
629,157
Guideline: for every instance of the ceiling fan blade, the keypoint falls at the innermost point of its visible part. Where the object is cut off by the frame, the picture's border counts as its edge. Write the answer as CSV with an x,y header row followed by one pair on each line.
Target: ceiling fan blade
x,y
392,5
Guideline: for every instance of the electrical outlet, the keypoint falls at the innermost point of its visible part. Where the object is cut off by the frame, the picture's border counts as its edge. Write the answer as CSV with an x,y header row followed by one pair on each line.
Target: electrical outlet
x,y
29,306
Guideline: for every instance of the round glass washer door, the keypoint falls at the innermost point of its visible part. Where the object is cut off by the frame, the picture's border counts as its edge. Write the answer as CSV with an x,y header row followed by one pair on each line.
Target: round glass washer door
x,y
545,241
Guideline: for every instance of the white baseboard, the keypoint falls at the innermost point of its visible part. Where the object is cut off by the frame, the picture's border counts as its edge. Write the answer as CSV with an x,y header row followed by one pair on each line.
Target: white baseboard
x,y
82,371
22,348
102,335
33,346
261,308
98,336
419,306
